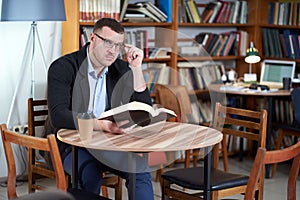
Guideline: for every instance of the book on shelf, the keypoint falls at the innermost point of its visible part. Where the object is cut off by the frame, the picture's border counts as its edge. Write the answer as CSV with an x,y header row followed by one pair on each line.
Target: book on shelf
x,y
138,38
92,10
166,7
208,11
217,8
188,12
144,9
137,19
156,73
153,9
137,113
162,52
283,13
221,13
199,75
123,9
243,18
194,11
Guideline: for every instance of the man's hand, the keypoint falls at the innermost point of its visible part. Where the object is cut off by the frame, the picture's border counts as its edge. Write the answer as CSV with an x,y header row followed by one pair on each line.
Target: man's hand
x,y
109,126
134,55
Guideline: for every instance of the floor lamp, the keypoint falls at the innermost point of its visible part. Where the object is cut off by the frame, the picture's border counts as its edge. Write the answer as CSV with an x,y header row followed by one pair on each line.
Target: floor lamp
x,y
31,10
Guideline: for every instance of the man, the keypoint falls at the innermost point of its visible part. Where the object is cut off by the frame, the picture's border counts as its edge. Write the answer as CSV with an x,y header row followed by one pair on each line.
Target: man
x,y
93,79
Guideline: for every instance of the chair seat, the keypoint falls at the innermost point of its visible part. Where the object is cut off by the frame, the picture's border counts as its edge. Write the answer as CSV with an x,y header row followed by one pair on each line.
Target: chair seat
x,y
192,178
85,195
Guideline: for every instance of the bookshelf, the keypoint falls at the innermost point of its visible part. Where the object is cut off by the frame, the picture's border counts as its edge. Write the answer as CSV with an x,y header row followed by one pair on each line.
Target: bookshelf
x,y
256,21
280,20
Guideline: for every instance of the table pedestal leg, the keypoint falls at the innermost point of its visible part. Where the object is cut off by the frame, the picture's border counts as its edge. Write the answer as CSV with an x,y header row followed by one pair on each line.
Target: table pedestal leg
x,y
74,167
132,175
207,171
269,132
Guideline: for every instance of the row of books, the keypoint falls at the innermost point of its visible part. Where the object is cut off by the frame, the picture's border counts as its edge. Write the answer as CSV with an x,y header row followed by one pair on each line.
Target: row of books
x,y
189,11
138,38
92,10
284,13
156,73
199,75
201,111
281,43
283,111
214,12
121,10
224,44
160,73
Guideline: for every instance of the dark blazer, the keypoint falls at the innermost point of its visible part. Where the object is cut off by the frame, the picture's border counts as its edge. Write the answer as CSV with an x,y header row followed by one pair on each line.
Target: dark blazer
x,y
68,90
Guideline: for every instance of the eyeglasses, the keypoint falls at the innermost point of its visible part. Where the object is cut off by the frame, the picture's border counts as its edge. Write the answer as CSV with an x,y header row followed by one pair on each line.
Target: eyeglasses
x,y
110,44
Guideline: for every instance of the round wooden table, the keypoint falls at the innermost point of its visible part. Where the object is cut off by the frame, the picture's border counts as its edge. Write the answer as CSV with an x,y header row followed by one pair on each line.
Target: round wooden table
x,y
162,136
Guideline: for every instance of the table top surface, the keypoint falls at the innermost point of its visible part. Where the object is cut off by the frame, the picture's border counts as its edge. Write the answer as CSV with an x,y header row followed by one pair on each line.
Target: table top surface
x,y
162,136
241,90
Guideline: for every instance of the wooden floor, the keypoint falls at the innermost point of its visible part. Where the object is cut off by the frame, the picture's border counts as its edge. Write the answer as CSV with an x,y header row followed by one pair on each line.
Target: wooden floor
x,y
275,189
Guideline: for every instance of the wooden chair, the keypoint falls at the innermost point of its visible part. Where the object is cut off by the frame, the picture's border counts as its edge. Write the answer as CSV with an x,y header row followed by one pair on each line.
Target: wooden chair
x,y
158,160
37,114
177,99
264,157
230,121
285,130
44,144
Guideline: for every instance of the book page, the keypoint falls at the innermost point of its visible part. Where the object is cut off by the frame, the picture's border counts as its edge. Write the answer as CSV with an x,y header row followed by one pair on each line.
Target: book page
x,y
137,113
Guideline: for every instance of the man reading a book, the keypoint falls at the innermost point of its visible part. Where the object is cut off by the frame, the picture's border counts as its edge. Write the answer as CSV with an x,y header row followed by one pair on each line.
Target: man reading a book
x,y
94,79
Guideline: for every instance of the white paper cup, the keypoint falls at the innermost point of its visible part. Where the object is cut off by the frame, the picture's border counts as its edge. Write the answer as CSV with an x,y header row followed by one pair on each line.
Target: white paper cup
x,y
85,125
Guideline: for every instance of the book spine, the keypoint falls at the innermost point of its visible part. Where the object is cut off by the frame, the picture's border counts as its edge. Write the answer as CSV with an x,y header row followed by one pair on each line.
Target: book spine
x,y
166,7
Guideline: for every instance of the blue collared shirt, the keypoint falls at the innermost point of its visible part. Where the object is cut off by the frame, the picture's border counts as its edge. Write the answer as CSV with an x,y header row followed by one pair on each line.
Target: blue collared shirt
x,y
98,94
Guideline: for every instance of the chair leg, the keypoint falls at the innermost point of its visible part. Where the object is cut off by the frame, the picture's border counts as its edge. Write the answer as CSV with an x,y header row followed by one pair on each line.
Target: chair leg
x,y
195,157
30,183
118,189
278,144
158,175
165,184
214,195
187,158
104,191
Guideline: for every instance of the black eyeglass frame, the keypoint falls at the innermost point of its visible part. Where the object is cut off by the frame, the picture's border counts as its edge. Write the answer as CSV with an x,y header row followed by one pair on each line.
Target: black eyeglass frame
x,y
110,44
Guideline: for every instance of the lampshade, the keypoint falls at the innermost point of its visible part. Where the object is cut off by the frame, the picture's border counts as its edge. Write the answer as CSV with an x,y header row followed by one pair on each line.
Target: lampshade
x,y
33,10
252,54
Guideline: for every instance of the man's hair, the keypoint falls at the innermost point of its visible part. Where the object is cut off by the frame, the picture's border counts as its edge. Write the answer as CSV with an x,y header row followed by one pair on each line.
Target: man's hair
x,y
111,23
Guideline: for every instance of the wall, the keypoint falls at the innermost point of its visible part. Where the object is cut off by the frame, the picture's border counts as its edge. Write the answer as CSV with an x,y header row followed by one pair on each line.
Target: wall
x,y
13,39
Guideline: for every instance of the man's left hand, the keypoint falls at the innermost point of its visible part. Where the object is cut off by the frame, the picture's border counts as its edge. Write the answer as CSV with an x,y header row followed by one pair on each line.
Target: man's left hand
x,y
134,55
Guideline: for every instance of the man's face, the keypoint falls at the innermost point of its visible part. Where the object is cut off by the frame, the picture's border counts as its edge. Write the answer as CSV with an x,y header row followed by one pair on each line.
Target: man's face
x,y
105,46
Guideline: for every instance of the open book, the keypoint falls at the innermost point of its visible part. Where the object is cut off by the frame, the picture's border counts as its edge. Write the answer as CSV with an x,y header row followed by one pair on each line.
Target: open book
x,y
137,113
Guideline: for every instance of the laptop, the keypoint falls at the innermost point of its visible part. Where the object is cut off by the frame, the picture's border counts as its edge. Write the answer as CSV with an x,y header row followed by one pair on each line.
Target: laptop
x,y
273,71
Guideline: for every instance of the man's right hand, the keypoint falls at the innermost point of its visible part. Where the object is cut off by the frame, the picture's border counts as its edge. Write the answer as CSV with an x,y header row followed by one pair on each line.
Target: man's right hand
x,y
109,126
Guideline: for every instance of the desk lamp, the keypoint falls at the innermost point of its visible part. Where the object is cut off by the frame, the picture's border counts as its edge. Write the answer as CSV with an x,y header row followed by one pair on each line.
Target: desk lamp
x,y
31,10
251,58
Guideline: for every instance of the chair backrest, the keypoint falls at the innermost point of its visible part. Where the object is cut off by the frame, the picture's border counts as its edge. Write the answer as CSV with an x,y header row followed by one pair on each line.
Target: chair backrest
x,y
295,95
248,124
37,114
270,157
175,98
45,144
